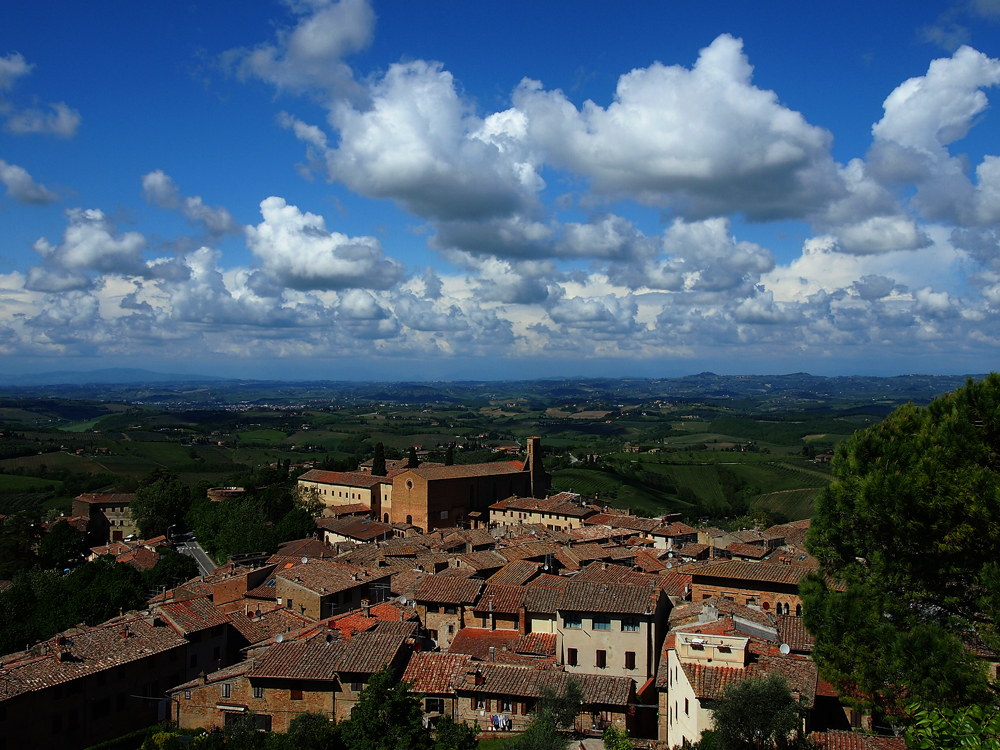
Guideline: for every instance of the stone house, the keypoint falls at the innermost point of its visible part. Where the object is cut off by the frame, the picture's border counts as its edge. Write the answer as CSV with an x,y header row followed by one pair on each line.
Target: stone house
x,y
109,516
611,629
319,588
772,587
557,513
444,606
81,687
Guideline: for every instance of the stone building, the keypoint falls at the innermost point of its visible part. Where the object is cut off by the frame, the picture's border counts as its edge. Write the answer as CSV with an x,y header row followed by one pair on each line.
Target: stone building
x,y
85,685
773,588
109,516
431,497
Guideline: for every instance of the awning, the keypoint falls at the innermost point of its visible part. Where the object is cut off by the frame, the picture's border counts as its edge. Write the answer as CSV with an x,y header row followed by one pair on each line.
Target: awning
x,y
233,707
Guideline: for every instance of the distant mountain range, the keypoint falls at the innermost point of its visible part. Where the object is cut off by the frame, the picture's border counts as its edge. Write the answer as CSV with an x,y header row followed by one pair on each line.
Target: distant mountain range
x,y
110,376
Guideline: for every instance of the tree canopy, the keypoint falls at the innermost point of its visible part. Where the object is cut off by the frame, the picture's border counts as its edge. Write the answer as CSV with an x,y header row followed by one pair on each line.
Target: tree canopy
x,y
161,501
387,717
756,713
908,534
378,461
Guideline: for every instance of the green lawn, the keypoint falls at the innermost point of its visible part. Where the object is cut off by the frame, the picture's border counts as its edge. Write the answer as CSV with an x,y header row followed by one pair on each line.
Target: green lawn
x,y
272,437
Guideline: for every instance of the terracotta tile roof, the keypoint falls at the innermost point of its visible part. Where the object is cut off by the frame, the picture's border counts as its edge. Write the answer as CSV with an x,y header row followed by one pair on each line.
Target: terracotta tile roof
x,y
315,659
220,675
557,504
264,591
268,625
648,562
504,597
541,599
794,532
856,741
116,498
750,571
140,559
436,589
457,573
611,573
459,471
367,653
485,560
436,673
692,549
406,582
710,610
608,597
673,529
755,551
476,642
636,523
792,630
750,536
355,527
119,641
326,577
549,581
114,548
305,548
502,679
709,683
538,644
675,582
193,615
361,479
515,572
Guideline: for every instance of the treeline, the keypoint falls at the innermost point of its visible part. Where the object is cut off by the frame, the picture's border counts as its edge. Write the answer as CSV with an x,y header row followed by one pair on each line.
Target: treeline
x,y
42,603
269,514
780,430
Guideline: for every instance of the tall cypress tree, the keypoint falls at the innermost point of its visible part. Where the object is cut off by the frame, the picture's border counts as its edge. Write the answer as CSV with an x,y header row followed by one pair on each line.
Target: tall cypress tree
x,y
378,461
412,462
449,456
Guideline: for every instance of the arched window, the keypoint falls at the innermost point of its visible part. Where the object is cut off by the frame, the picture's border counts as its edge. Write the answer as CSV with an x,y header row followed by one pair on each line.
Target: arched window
x,y
409,520
786,608
798,610
386,519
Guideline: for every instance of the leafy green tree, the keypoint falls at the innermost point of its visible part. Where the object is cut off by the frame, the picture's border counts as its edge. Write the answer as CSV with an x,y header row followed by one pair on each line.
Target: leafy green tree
x,y
946,728
540,734
616,739
908,535
18,539
412,462
452,735
756,713
449,456
378,461
62,545
313,731
387,717
161,501
298,523
561,707
173,568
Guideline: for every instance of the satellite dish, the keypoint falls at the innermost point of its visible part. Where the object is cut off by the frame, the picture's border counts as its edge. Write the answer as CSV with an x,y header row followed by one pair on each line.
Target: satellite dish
x,y
402,600
279,638
304,559
669,566
785,649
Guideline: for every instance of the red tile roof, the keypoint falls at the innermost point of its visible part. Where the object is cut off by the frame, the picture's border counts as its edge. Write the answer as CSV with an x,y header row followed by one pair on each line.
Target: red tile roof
x,y
501,598
436,673
193,615
90,650
359,479
751,571
467,470
516,572
609,598
448,590
502,679
856,741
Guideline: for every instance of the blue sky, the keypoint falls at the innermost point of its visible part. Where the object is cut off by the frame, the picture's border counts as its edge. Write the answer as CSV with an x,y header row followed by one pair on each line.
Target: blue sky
x,y
431,190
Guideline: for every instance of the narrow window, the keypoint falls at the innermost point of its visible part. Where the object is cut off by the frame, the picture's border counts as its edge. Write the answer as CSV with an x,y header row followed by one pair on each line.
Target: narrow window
x,y
295,694
630,660
686,707
602,658
258,692
227,690
571,656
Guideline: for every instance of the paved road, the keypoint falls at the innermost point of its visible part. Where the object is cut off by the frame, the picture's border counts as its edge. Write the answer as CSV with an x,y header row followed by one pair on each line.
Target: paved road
x,y
193,549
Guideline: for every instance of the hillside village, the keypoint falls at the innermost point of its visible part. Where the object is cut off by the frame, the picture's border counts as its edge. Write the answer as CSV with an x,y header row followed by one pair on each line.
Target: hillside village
x,y
475,583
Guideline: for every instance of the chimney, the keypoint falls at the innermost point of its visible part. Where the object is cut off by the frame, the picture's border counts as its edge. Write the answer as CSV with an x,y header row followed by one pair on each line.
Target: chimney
x,y
366,607
493,653
522,625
